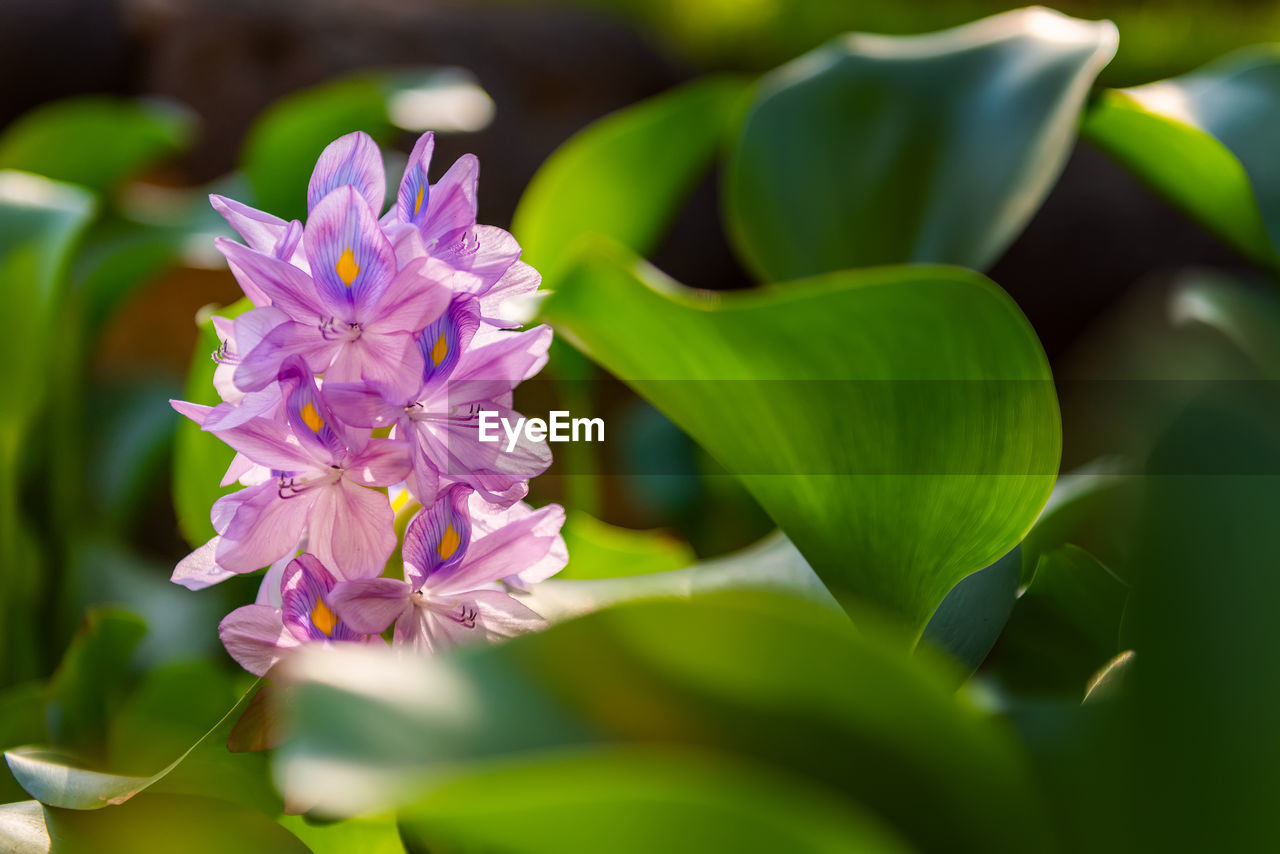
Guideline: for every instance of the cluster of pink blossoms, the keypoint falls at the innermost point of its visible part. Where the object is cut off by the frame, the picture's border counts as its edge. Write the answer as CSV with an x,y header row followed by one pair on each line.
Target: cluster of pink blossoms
x,y
373,345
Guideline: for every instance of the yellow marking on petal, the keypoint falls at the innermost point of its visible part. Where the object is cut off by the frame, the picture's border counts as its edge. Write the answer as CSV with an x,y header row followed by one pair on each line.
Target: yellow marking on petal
x,y
322,618
398,503
417,203
347,268
312,418
448,543
440,350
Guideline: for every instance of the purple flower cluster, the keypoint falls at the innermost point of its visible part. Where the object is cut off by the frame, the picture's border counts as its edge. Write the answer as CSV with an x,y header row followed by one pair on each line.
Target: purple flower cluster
x,y
373,344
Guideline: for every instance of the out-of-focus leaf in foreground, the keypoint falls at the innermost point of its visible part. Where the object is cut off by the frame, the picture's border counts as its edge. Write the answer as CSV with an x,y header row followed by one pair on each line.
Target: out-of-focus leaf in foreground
x,y
939,148
1207,142
898,424
152,824
764,676
623,176
90,683
637,802
95,141
58,779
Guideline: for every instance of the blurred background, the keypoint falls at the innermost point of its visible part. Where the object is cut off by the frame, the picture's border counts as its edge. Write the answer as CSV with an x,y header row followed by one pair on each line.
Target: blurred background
x,y
511,82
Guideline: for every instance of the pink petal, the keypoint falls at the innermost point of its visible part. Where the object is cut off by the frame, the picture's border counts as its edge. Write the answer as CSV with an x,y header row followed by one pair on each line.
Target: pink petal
x,y
352,530
453,200
261,366
342,237
417,295
352,160
502,616
383,462
265,527
409,206
507,551
361,405
200,569
288,288
369,605
391,362
255,637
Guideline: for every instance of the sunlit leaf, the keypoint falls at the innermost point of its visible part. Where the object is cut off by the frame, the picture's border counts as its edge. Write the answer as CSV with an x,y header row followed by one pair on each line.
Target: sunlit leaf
x,y
160,824
623,176
58,779
1249,318
600,550
765,676
939,148
199,458
96,141
638,802
1207,142
367,835
898,424
771,564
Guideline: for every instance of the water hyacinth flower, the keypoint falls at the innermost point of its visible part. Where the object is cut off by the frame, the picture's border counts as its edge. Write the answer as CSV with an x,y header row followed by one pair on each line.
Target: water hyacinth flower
x,y
257,636
439,417
321,474
400,322
451,593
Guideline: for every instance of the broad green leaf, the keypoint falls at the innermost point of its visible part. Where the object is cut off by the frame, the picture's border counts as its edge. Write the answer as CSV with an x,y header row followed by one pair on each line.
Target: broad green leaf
x,y
366,835
21,722
1202,623
286,139
898,424
1065,626
57,779
1206,141
1247,317
95,141
764,676
637,802
600,550
92,679
623,176
200,459
161,824
939,148
168,713
1088,508
968,622
771,564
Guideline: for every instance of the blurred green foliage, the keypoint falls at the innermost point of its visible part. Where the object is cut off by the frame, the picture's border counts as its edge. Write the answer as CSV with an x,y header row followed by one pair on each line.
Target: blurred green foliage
x,y
899,424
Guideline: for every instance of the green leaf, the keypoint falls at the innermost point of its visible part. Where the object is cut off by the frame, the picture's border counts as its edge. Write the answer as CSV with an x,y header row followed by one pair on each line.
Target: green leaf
x,y
288,137
1248,318
939,148
92,679
159,824
1064,627
771,564
1088,508
625,175
637,802
763,676
600,550
95,141
21,722
57,779
1207,142
898,424
968,622
200,459
366,835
